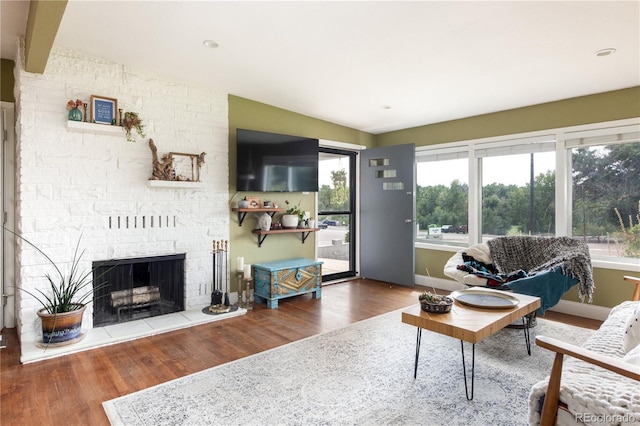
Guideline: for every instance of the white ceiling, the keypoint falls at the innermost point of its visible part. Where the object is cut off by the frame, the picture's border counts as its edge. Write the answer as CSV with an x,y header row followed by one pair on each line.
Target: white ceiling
x,y
429,61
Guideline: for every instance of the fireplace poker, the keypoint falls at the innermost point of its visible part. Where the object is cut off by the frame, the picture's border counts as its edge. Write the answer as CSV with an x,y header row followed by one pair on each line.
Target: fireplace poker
x,y
216,295
226,270
218,269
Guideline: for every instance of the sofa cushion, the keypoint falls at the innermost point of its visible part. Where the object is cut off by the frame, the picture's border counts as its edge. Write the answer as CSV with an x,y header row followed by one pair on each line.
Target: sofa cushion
x,y
480,252
632,331
451,270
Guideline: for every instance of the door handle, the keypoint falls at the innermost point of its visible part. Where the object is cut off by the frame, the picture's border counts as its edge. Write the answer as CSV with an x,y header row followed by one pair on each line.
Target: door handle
x,y
408,220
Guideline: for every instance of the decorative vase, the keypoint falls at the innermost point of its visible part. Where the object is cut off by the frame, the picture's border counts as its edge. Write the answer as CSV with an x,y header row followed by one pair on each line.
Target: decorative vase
x,y
290,220
64,327
311,223
264,222
243,204
75,114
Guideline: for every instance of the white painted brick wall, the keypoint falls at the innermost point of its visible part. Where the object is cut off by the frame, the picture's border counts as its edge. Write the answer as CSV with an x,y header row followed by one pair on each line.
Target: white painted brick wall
x,y
73,184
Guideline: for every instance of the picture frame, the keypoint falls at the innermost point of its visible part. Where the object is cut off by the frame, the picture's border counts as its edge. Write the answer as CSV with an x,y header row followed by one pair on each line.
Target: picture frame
x,y
104,110
254,202
186,167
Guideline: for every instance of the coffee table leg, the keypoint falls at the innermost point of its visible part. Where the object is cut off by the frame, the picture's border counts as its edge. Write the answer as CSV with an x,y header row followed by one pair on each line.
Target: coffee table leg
x,y
415,367
464,369
526,321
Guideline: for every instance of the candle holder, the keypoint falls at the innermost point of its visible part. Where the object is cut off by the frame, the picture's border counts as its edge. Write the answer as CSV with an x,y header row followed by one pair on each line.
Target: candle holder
x,y
240,277
248,305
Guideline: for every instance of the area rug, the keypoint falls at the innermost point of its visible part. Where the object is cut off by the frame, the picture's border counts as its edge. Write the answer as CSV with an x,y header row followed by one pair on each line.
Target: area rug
x,y
361,374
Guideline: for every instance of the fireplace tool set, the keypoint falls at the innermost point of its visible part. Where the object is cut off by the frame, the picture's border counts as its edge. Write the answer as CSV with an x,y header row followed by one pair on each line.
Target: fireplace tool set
x,y
220,295
220,278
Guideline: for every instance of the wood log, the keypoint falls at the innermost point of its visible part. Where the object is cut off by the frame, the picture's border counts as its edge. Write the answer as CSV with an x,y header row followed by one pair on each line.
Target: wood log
x,y
135,296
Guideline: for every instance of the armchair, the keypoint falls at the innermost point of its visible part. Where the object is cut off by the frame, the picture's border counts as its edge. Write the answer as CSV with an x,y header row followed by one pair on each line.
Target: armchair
x,y
605,387
536,266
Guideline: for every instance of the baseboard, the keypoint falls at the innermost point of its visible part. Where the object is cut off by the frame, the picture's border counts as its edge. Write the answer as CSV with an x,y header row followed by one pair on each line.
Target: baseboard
x,y
585,310
439,283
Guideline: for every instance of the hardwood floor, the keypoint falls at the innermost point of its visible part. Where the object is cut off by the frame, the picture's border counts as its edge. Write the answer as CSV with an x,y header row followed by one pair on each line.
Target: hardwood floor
x,y
70,390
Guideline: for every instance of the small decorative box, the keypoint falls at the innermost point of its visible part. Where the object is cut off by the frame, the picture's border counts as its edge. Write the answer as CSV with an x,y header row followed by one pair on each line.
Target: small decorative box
x,y
253,202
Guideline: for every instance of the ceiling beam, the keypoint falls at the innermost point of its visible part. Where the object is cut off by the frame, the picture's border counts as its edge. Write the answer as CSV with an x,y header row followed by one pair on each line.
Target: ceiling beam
x,y
42,26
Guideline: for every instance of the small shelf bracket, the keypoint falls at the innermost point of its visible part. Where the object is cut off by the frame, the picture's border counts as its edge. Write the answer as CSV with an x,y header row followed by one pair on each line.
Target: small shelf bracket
x,y
241,216
305,235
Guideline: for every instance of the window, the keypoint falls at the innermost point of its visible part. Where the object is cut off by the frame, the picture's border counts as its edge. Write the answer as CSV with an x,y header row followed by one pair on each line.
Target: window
x,y
518,195
442,198
582,181
605,182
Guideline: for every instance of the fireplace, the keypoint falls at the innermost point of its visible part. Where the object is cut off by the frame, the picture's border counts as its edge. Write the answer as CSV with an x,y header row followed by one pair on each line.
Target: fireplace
x,y
137,288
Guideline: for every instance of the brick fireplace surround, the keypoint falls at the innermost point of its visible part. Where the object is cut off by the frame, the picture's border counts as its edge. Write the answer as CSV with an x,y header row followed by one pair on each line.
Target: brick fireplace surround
x,y
72,184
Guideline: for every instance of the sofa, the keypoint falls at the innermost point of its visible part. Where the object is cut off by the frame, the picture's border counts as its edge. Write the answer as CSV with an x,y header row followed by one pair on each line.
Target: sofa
x,y
535,266
599,382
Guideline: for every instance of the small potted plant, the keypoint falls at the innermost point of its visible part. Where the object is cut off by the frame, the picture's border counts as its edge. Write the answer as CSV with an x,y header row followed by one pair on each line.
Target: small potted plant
x,y
64,303
74,112
435,303
132,121
292,216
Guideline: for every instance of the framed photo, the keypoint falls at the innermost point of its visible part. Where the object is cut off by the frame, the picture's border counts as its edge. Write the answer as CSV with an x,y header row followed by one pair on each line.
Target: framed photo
x,y
187,166
254,202
103,110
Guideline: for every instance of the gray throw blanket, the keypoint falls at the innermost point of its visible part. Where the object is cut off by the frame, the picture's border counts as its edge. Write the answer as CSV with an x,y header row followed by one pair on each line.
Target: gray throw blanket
x,y
535,254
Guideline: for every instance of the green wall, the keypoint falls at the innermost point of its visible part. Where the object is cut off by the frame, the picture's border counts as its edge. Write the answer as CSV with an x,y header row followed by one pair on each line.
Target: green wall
x,y
609,106
247,114
6,80
616,105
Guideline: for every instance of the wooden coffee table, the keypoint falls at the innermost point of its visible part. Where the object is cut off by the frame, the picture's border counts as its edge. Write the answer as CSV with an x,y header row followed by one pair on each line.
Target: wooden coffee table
x,y
471,324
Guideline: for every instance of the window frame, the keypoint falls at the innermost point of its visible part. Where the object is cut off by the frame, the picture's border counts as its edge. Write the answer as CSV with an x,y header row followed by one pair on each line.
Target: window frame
x,y
564,140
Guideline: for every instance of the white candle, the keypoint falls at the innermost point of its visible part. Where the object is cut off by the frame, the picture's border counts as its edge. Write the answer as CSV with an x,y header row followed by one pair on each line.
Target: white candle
x,y
239,263
247,271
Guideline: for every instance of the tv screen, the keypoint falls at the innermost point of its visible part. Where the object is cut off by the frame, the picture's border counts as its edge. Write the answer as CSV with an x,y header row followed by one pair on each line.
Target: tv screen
x,y
270,162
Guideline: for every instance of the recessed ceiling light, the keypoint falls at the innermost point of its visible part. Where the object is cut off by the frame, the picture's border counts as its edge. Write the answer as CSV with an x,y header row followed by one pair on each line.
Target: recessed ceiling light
x,y
606,52
210,43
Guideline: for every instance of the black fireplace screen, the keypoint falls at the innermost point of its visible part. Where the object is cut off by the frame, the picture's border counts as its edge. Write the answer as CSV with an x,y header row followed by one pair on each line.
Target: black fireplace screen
x,y
131,289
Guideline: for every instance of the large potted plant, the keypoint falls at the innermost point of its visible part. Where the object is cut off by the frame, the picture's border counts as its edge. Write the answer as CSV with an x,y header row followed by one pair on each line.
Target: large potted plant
x,y
64,302
292,216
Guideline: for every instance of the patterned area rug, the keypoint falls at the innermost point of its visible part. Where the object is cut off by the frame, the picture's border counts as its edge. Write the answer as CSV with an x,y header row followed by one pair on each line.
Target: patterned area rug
x,y
358,375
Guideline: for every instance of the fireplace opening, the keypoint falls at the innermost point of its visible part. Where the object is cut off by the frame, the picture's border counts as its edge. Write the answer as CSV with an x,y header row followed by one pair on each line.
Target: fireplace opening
x,y
137,288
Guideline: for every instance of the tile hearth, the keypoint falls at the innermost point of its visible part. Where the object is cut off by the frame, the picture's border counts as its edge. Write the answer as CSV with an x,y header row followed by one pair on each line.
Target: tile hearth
x,y
118,333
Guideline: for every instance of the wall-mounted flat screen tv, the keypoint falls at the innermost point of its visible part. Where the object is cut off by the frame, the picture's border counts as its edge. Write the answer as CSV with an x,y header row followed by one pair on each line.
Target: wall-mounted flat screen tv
x,y
270,162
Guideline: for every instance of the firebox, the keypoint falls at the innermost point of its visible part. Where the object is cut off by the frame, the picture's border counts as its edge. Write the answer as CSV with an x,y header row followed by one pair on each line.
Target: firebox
x,y
137,288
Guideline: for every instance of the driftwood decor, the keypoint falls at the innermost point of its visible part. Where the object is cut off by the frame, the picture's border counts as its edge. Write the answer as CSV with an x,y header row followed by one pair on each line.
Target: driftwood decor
x,y
176,166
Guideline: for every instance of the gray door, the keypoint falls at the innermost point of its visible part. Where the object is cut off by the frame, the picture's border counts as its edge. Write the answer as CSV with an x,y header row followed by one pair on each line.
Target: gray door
x,y
387,214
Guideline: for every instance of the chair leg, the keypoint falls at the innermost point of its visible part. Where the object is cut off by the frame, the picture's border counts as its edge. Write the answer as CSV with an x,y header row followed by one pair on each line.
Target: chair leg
x,y
551,399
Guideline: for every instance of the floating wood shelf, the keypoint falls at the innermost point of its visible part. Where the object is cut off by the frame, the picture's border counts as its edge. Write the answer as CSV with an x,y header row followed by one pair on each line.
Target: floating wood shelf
x,y
173,184
242,212
262,235
103,129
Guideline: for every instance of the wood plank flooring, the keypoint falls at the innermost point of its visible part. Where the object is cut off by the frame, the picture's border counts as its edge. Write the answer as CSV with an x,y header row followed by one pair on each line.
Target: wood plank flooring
x,y
70,390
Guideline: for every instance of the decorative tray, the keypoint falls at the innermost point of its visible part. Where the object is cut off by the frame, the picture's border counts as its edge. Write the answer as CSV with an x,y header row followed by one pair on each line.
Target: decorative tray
x,y
481,298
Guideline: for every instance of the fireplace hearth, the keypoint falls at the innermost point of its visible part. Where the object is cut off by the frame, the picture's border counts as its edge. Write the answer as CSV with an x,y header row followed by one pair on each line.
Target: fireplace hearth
x,y
137,288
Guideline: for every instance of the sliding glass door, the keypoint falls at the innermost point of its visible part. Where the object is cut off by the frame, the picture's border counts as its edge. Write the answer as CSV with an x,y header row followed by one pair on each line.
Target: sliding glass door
x,y
336,213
